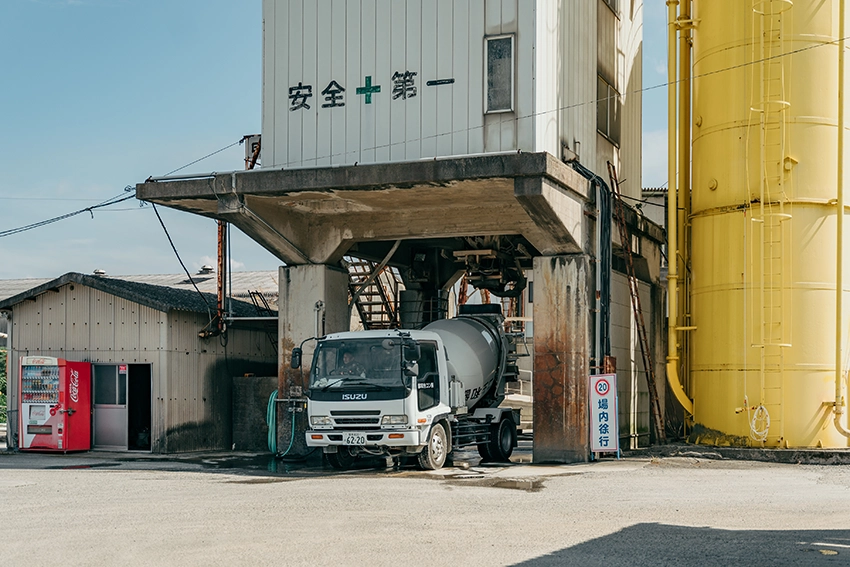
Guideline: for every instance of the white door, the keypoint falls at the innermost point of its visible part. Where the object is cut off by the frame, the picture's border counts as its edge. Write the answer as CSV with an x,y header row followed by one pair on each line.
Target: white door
x,y
110,407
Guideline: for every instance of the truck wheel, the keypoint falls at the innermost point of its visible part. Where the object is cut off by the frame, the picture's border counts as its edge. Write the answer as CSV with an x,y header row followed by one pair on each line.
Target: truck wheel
x,y
502,442
342,459
484,451
433,456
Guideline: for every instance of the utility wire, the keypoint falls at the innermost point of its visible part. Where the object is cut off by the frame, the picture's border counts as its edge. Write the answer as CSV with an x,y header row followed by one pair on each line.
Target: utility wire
x,y
205,157
112,201
460,131
44,199
569,106
120,198
191,279
644,201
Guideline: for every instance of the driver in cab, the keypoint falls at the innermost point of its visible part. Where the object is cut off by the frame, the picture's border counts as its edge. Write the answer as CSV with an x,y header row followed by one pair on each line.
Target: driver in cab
x,y
350,366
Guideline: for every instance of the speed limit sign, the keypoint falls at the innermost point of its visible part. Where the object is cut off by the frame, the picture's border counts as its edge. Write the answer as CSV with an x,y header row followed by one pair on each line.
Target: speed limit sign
x,y
604,427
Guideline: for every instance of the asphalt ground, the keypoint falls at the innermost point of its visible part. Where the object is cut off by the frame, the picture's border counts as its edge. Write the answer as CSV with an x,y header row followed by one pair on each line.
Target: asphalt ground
x,y
246,509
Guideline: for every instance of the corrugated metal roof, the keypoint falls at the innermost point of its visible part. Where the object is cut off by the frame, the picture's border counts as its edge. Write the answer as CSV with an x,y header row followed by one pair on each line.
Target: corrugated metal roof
x,y
160,297
10,288
239,282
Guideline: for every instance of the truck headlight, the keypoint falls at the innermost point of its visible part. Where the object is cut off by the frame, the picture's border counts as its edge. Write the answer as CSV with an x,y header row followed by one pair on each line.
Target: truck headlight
x,y
394,420
320,420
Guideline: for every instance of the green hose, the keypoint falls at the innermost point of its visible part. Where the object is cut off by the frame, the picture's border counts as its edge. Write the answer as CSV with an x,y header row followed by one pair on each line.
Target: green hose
x,y
291,437
271,420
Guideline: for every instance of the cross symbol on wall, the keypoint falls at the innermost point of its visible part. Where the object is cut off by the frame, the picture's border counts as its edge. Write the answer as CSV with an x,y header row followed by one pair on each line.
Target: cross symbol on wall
x,y
368,89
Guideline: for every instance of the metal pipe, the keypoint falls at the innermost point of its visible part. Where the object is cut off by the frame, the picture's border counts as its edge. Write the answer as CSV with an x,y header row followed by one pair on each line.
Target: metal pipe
x,y
186,177
222,274
838,406
673,218
683,188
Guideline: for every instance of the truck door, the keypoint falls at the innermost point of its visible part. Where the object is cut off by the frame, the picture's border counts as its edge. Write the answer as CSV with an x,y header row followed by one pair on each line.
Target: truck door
x,y
428,380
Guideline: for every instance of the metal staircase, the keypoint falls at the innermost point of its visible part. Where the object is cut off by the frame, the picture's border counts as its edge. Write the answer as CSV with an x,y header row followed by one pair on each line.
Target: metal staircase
x,y
376,297
264,310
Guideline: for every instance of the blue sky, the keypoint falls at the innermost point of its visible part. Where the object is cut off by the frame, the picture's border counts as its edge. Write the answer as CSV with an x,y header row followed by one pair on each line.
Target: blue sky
x,y
101,94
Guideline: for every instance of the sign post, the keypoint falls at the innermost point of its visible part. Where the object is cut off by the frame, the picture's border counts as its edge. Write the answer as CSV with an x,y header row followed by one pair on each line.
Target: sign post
x,y
604,427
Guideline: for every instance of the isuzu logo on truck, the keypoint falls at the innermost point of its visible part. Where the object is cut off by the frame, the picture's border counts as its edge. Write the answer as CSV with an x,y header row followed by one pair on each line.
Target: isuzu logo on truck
x,y
353,397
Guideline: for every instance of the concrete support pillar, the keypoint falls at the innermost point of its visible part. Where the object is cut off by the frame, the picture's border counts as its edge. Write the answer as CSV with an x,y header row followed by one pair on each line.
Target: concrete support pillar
x,y
562,337
313,302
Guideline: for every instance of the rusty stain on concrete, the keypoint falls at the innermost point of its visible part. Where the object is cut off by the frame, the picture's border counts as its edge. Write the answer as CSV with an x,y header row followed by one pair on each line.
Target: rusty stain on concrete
x,y
561,359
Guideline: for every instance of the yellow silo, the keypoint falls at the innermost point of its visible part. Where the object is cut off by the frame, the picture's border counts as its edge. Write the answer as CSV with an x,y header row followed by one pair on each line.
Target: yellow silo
x,y
758,237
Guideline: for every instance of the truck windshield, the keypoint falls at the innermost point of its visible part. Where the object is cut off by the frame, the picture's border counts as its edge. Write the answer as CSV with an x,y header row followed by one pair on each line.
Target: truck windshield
x,y
362,362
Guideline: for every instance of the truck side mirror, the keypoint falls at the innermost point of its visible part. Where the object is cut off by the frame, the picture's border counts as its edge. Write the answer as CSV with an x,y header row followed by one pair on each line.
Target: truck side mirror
x,y
411,369
296,358
412,352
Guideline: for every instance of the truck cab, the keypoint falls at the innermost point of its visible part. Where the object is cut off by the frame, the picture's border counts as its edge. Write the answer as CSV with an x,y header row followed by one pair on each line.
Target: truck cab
x,y
374,390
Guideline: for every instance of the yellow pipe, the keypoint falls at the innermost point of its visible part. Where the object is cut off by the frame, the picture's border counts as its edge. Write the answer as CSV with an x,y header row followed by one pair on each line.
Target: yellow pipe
x,y
838,407
683,188
673,218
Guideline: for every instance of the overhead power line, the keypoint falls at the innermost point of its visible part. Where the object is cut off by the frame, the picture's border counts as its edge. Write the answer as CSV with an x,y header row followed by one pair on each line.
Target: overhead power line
x,y
120,198
568,106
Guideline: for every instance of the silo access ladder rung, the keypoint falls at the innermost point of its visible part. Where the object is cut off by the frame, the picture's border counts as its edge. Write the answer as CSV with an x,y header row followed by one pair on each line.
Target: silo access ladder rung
x,y
625,242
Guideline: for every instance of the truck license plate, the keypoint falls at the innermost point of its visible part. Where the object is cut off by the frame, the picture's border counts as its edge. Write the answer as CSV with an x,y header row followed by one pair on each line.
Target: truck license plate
x,y
354,439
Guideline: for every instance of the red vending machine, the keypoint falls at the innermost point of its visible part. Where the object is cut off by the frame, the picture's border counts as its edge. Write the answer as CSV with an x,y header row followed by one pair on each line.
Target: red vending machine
x,y
55,407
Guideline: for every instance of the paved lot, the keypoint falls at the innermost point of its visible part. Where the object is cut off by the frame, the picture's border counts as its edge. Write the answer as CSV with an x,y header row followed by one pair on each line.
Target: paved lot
x,y
233,509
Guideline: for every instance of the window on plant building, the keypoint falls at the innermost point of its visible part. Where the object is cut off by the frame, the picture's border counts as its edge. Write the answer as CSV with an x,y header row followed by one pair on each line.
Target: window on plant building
x,y
499,51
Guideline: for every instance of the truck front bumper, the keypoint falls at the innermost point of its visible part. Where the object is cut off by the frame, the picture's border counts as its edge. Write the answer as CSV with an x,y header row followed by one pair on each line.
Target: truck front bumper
x,y
379,438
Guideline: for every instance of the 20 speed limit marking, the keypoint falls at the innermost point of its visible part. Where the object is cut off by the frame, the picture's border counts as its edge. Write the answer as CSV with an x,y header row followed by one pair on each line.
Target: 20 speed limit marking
x,y
602,387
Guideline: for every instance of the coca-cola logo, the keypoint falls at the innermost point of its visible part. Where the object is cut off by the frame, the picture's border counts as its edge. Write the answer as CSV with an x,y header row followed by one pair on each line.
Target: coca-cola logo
x,y
75,386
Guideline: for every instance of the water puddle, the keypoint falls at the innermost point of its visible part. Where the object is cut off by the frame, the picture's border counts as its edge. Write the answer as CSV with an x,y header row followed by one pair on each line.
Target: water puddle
x,y
82,467
262,480
524,484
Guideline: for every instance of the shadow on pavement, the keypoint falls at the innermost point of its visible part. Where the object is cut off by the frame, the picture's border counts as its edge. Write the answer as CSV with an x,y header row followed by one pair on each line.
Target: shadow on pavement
x,y
662,544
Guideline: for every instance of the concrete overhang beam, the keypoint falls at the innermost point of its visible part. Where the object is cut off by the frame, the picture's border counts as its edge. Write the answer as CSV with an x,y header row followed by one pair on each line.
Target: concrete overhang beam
x,y
315,215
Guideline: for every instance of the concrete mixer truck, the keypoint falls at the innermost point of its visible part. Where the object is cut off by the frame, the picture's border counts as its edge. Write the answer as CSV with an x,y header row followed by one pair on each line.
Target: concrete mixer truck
x,y
418,393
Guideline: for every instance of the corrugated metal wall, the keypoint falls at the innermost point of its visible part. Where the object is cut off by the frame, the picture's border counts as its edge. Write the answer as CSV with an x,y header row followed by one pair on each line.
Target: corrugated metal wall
x,y
631,376
190,387
631,85
314,42
560,48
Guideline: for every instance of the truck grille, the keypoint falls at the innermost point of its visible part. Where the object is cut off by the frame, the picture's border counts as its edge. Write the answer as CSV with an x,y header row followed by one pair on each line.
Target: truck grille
x,y
356,420
355,412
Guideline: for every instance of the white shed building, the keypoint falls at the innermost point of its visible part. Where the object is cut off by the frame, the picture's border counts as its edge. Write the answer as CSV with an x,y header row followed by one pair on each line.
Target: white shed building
x,y
157,386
